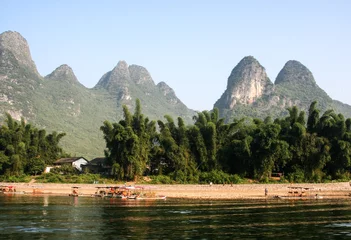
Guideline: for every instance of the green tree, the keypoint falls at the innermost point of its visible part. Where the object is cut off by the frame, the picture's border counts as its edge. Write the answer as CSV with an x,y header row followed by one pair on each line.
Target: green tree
x,y
21,145
129,143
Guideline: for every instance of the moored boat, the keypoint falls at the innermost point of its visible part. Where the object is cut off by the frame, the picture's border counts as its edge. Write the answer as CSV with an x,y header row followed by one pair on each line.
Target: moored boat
x,y
75,192
9,190
152,198
300,193
134,193
101,192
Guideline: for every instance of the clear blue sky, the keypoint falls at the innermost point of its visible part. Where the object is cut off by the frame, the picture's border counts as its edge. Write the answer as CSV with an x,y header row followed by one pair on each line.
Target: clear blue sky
x,y
190,45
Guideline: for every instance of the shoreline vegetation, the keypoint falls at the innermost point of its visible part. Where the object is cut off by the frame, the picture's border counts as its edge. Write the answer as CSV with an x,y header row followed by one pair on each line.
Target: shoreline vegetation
x,y
291,149
196,191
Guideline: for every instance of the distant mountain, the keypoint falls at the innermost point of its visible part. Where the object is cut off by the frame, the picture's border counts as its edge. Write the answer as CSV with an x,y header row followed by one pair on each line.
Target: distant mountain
x,y
59,102
249,92
126,83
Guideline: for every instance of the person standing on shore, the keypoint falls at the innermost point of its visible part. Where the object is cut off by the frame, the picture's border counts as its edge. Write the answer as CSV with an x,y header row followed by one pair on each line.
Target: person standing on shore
x,y
266,192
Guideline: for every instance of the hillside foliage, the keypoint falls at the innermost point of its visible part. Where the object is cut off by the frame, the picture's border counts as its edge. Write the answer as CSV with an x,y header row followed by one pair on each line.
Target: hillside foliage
x,y
315,148
310,147
25,149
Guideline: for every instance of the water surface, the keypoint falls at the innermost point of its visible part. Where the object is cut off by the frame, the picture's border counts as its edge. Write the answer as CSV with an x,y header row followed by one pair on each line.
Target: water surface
x,y
61,217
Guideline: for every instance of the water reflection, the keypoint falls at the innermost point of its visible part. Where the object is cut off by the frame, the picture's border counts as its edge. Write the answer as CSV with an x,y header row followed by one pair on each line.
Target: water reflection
x,y
46,200
61,217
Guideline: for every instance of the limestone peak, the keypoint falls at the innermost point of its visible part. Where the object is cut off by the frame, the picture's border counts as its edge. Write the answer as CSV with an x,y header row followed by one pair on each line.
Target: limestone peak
x,y
63,72
14,47
168,92
247,82
121,65
140,75
295,72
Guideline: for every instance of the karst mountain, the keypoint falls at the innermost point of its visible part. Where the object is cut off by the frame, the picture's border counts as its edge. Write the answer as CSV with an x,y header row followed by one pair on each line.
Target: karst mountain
x,y
250,93
59,102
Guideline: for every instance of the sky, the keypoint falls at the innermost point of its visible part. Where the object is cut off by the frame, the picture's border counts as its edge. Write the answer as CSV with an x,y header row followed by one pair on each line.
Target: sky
x,y
191,45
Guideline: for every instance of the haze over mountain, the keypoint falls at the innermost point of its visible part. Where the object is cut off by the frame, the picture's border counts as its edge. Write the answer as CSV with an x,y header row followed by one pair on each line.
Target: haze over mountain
x,y
59,102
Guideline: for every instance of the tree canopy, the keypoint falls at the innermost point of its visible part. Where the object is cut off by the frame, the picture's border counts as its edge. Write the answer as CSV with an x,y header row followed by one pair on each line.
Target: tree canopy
x,y
305,148
26,149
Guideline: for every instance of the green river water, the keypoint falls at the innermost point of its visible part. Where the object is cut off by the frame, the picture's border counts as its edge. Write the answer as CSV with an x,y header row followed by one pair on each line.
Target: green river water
x,y
63,217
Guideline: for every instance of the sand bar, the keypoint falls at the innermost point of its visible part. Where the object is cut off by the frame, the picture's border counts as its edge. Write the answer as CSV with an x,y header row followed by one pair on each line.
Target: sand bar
x,y
197,191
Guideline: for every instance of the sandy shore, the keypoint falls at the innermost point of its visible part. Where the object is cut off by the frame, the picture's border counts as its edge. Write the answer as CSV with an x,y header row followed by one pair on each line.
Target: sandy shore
x,y
192,191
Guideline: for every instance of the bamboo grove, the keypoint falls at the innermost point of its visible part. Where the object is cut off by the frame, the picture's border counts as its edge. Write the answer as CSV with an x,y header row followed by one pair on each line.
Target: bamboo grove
x,y
315,147
25,149
310,147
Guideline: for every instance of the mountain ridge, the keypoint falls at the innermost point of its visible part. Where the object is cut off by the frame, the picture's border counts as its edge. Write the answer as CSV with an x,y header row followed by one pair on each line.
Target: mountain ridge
x,y
59,102
294,85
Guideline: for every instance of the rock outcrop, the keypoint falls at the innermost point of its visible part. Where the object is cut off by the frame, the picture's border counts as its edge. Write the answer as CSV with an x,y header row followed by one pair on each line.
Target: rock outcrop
x,y
247,82
168,92
112,80
250,93
18,76
63,73
14,53
140,75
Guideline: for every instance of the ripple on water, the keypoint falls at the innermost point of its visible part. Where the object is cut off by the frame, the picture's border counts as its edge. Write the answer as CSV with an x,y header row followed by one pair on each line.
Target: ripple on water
x,y
174,219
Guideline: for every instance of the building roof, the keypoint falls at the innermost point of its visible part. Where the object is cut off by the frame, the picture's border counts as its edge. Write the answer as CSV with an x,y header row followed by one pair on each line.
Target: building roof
x,y
97,161
68,160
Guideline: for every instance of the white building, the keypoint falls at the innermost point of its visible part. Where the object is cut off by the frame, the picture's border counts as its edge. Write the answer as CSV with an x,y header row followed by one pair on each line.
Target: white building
x,y
76,162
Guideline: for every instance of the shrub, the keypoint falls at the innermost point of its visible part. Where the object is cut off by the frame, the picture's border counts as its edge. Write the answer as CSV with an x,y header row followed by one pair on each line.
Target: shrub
x,y
161,179
65,169
179,176
219,177
13,178
49,178
298,176
342,176
72,178
236,179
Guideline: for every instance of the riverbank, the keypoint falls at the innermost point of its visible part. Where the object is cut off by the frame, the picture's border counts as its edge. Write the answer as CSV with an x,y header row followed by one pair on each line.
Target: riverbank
x,y
193,191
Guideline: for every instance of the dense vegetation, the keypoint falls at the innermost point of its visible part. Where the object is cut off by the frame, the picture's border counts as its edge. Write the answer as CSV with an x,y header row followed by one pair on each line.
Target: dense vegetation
x,y
313,148
25,149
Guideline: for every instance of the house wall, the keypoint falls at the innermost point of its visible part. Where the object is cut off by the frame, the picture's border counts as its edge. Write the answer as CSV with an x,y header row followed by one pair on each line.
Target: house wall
x,y
78,163
48,169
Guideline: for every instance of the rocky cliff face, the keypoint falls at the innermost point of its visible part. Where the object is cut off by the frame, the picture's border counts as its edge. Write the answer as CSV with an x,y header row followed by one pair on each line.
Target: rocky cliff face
x,y
18,76
168,92
247,82
14,53
250,93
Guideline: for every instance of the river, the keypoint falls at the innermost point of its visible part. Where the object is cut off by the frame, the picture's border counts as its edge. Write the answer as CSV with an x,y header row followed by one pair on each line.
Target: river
x,y
61,217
